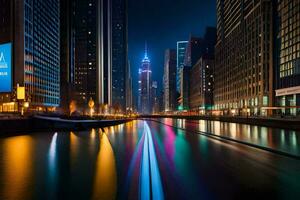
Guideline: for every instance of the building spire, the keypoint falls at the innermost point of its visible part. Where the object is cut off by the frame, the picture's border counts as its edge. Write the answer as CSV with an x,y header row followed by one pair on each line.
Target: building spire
x,y
146,50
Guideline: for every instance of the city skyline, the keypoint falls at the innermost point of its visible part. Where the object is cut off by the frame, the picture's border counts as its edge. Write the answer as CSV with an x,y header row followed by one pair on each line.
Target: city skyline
x,y
149,99
146,25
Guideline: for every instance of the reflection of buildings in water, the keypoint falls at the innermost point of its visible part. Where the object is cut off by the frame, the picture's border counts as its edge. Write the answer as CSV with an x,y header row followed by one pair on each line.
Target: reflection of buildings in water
x,y
293,139
18,169
282,138
52,154
270,138
180,123
52,166
202,125
169,141
74,147
232,130
263,133
288,139
255,133
217,127
93,134
105,183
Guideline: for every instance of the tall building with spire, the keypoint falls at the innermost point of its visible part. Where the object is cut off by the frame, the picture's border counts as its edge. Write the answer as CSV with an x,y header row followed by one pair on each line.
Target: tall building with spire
x,y
145,84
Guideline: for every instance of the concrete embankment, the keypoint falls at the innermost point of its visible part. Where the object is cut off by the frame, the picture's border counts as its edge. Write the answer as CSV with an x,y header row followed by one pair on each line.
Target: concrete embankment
x,y
283,123
34,124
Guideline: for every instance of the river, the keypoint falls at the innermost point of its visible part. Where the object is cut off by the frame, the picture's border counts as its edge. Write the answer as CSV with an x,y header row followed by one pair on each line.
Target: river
x,y
165,159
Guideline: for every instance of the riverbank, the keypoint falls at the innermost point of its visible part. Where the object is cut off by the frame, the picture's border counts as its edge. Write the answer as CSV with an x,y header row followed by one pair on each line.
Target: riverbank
x,y
283,123
15,126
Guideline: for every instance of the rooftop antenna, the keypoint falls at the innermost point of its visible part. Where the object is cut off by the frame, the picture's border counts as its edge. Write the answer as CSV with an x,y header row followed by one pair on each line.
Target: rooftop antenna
x,y
146,50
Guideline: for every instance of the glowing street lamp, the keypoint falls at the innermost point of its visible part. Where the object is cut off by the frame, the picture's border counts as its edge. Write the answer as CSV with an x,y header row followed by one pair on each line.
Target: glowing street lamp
x,y
26,105
91,106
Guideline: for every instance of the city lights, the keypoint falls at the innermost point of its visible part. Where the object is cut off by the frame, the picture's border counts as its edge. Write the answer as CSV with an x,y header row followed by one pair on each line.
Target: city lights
x,y
149,99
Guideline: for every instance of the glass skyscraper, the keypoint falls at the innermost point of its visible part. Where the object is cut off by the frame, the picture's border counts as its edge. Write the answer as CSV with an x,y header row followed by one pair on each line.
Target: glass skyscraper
x,y
119,53
169,82
91,37
95,40
35,36
181,48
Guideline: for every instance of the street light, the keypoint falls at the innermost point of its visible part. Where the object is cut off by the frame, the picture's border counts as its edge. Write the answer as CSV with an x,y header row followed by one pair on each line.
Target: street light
x,y
91,105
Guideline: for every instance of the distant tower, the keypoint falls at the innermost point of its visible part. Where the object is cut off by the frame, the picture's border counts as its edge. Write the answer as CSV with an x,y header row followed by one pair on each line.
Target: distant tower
x,y
145,84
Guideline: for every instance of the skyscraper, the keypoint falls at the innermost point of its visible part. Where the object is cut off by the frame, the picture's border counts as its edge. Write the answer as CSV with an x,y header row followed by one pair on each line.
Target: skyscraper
x,y
154,98
196,47
93,53
202,75
184,88
67,53
202,84
119,53
170,91
145,84
193,51
97,44
129,92
181,48
31,30
287,62
244,57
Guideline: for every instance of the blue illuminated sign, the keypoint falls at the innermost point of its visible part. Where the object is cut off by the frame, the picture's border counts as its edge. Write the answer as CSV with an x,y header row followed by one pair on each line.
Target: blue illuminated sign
x,y
5,67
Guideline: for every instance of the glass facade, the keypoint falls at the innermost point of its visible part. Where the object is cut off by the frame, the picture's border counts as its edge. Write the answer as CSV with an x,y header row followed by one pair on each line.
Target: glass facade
x,y
42,54
170,80
119,52
289,37
85,13
287,41
181,48
244,63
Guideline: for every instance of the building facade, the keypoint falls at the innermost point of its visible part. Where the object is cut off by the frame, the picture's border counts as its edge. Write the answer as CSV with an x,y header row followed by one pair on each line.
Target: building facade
x,y
244,57
196,48
119,53
31,29
170,90
202,75
87,51
67,54
184,88
97,43
193,52
129,90
181,49
154,98
202,85
287,57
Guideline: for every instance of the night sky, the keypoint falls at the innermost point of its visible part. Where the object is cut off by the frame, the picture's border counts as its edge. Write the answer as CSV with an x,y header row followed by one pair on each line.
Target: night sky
x,y
161,23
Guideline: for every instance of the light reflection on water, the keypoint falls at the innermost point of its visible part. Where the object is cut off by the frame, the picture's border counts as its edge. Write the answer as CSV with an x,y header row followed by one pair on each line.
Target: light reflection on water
x,y
284,140
106,163
105,183
18,167
52,157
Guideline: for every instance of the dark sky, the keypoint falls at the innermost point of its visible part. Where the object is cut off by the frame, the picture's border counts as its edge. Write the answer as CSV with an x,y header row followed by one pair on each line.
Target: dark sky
x,y
161,23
